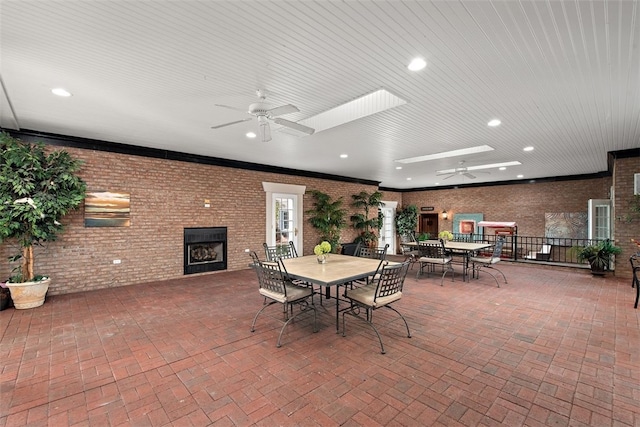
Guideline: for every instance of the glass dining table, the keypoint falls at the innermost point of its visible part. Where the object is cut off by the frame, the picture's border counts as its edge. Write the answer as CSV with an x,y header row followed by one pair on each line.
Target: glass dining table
x,y
338,270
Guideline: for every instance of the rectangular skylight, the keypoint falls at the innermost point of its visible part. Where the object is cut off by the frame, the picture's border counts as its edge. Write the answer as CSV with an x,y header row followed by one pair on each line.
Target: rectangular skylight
x,y
364,106
446,154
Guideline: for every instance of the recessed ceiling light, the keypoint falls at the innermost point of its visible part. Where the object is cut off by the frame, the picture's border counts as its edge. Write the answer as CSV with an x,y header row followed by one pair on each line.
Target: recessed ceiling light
x,y
445,154
417,64
494,123
520,176
60,92
528,148
398,167
408,179
251,135
344,156
502,168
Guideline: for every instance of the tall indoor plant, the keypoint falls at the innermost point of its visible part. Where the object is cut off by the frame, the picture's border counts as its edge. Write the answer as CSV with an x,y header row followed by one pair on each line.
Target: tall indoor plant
x,y
37,188
328,217
366,225
407,222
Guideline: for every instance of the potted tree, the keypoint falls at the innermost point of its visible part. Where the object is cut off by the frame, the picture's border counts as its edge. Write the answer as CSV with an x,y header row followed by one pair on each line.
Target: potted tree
x,y
598,256
328,217
36,190
406,223
366,225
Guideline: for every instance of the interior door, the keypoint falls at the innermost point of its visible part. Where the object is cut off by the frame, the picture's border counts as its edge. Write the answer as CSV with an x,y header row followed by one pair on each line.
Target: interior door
x,y
429,224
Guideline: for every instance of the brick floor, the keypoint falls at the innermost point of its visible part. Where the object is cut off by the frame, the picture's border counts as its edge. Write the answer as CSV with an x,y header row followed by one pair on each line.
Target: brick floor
x,y
554,347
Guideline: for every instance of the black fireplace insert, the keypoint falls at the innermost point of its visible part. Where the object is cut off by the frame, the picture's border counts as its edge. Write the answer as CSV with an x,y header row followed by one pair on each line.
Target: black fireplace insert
x,y
205,249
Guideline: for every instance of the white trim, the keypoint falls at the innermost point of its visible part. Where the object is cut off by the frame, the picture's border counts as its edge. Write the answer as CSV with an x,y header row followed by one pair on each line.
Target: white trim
x,y
272,188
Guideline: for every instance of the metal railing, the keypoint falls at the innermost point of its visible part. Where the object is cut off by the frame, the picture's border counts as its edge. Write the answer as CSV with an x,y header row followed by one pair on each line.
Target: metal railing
x,y
528,248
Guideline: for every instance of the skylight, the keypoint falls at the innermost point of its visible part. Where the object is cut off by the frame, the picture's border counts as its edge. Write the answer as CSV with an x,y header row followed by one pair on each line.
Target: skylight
x,y
446,154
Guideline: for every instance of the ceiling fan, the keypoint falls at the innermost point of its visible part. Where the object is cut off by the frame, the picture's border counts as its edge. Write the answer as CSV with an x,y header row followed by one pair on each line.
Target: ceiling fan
x,y
266,114
459,171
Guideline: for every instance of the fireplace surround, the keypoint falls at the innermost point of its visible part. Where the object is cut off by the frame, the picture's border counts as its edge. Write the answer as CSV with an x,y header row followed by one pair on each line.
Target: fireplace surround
x,y
205,249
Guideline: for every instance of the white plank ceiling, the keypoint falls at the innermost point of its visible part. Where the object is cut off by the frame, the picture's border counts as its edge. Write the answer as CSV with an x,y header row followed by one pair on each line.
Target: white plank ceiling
x,y
562,76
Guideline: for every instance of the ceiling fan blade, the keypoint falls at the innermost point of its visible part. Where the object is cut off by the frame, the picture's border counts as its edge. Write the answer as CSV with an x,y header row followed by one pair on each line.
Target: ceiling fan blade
x,y
294,125
231,108
468,175
284,109
231,123
450,175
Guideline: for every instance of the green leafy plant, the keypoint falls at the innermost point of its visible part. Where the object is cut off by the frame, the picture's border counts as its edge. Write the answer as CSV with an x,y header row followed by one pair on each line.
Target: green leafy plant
x,y
424,236
599,255
328,217
407,221
36,190
366,225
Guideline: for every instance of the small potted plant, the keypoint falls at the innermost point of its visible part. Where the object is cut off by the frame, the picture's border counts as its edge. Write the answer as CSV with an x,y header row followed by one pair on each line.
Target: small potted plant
x,y
445,235
36,190
598,256
322,250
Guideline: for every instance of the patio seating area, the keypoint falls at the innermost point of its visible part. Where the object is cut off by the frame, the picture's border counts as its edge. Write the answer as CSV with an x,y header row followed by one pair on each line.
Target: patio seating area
x,y
554,346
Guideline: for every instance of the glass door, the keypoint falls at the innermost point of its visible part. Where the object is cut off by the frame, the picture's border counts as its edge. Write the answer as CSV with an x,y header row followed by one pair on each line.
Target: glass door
x,y
284,227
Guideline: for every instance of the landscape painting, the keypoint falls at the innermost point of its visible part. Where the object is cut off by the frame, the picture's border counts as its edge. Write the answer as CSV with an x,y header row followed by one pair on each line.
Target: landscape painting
x,y
107,209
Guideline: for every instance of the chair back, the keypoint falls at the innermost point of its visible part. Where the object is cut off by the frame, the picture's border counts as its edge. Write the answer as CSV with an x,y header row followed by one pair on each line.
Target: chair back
x,y
390,279
351,249
373,253
497,250
546,249
635,261
272,253
270,275
433,249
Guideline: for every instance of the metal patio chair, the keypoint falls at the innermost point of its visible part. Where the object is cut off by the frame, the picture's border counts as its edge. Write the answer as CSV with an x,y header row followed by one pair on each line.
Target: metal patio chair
x,y
280,251
276,287
635,278
488,263
432,255
382,292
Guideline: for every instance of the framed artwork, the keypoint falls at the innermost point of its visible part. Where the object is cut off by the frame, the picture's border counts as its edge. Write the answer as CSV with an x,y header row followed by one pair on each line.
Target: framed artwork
x,y
564,225
467,223
107,209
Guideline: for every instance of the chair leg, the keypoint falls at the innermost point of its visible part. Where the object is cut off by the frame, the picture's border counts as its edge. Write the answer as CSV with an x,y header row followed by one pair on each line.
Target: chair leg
x,y
403,319
302,310
351,312
253,324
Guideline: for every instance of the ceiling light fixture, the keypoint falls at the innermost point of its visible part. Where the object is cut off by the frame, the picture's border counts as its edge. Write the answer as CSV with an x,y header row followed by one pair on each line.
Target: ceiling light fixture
x,y
251,135
60,92
398,167
446,154
417,64
527,148
520,176
494,123
502,168
344,156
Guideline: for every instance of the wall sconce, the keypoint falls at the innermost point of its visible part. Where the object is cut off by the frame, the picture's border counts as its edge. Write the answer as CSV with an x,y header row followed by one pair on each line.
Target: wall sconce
x,y
445,215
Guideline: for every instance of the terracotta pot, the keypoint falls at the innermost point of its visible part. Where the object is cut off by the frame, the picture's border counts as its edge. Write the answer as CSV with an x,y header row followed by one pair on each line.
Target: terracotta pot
x,y
29,294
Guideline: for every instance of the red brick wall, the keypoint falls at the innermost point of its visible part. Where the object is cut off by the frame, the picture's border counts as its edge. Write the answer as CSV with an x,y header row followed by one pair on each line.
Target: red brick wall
x,y
525,204
627,225
167,196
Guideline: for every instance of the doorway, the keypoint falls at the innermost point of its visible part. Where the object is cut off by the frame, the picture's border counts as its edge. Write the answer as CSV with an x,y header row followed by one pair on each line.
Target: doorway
x,y
429,224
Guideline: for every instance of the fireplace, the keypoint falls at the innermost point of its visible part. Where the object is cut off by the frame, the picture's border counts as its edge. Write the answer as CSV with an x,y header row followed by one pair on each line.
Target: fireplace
x,y
205,249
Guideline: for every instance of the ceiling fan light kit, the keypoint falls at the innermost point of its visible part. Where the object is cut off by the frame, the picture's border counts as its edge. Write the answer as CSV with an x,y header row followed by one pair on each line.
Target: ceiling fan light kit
x,y
264,114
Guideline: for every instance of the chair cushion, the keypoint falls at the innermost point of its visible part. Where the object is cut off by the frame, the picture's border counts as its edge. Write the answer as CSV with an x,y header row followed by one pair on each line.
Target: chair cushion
x,y
485,260
294,293
365,295
428,260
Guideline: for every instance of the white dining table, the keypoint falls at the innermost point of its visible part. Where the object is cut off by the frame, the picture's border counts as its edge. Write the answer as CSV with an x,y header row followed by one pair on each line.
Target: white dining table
x,y
338,270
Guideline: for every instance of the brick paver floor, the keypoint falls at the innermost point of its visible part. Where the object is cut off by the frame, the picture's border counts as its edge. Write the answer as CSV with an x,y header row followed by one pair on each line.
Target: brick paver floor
x,y
553,347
